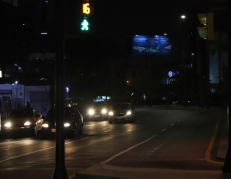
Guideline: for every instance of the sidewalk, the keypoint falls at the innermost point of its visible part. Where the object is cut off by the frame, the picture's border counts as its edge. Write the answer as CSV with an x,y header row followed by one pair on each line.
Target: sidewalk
x,y
104,171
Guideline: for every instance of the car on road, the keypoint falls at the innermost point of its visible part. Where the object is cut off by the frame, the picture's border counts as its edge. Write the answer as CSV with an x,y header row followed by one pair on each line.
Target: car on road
x,y
22,120
97,110
73,123
121,112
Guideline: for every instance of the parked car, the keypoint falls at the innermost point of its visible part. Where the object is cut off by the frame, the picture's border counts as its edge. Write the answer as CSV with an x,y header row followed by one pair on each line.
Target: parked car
x,y
73,123
23,120
121,112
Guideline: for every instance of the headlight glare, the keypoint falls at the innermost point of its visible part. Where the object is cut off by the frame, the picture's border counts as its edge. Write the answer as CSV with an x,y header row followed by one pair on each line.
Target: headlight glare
x,y
129,113
27,123
104,111
45,125
66,124
91,111
8,124
110,113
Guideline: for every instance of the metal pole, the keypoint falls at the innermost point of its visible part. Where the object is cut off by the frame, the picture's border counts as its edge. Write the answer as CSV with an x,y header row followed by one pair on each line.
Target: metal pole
x,y
185,98
227,164
60,169
150,94
207,75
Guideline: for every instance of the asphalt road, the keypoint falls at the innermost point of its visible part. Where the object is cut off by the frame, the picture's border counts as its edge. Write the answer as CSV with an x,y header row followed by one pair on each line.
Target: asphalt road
x,y
161,137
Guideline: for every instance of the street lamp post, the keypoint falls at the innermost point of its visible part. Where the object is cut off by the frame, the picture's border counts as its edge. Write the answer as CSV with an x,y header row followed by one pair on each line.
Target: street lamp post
x,y
60,169
183,55
226,169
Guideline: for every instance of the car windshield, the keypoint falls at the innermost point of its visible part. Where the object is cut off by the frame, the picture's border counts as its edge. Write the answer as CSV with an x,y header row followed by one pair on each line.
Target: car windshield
x,y
21,113
121,106
51,115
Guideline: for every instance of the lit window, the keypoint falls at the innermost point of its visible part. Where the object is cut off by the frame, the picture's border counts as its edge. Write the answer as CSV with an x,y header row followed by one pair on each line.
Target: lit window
x,y
0,73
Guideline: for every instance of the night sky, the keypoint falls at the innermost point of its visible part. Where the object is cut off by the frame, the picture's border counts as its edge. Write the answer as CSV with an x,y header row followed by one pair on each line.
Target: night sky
x,y
142,17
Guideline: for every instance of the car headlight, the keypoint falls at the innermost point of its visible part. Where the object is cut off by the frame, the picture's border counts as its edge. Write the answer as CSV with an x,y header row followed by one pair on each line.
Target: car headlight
x,y
91,111
27,123
45,125
104,111
8,124
66,124
129,113
110,113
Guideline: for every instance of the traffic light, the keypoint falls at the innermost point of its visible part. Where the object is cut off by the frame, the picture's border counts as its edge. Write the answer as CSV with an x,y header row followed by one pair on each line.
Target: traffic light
x,y
85,21
207,22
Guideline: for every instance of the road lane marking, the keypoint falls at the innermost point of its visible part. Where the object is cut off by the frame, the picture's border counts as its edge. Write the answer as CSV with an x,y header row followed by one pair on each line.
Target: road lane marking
x,y
152,151
178,121
39,150
71,176
172,125
107,131
164,130
111,158
207,154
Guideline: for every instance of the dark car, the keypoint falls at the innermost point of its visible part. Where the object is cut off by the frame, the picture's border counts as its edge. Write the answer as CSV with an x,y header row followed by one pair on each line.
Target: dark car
x,y
22,120
73,123
121,112
97,110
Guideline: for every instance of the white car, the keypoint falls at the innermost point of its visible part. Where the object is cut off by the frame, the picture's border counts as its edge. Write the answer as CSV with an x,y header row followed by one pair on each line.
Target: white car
x,y
121,112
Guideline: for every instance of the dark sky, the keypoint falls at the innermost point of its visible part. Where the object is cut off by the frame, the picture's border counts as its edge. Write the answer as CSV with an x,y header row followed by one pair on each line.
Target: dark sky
x,y
142,17
115,19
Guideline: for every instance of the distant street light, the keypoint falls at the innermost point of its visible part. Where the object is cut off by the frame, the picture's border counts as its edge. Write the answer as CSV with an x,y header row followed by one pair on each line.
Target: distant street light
x,y
183,56
183,17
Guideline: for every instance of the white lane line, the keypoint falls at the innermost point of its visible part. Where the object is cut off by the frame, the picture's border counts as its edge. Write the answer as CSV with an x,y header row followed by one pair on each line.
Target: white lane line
x,y
172,125
39,150
107,131
127,150
152,151
164,130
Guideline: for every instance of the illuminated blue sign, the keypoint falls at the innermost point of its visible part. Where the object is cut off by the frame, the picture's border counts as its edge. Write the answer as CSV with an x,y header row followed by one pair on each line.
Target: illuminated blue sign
x,y
171,74
151,45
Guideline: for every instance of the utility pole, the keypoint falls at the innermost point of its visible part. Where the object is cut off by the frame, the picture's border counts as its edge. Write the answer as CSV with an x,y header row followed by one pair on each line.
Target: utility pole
x,y
226,169
185,91
60,169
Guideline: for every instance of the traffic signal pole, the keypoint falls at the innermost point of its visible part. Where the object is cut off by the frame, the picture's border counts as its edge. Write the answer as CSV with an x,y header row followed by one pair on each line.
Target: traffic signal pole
x,y
60,169
226,169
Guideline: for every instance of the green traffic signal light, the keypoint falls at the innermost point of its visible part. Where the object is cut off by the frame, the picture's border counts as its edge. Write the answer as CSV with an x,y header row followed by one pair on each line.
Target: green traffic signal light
x,y
85,25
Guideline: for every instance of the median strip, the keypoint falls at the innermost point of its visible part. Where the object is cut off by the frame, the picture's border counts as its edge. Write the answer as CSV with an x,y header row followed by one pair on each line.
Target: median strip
x,y
207,154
